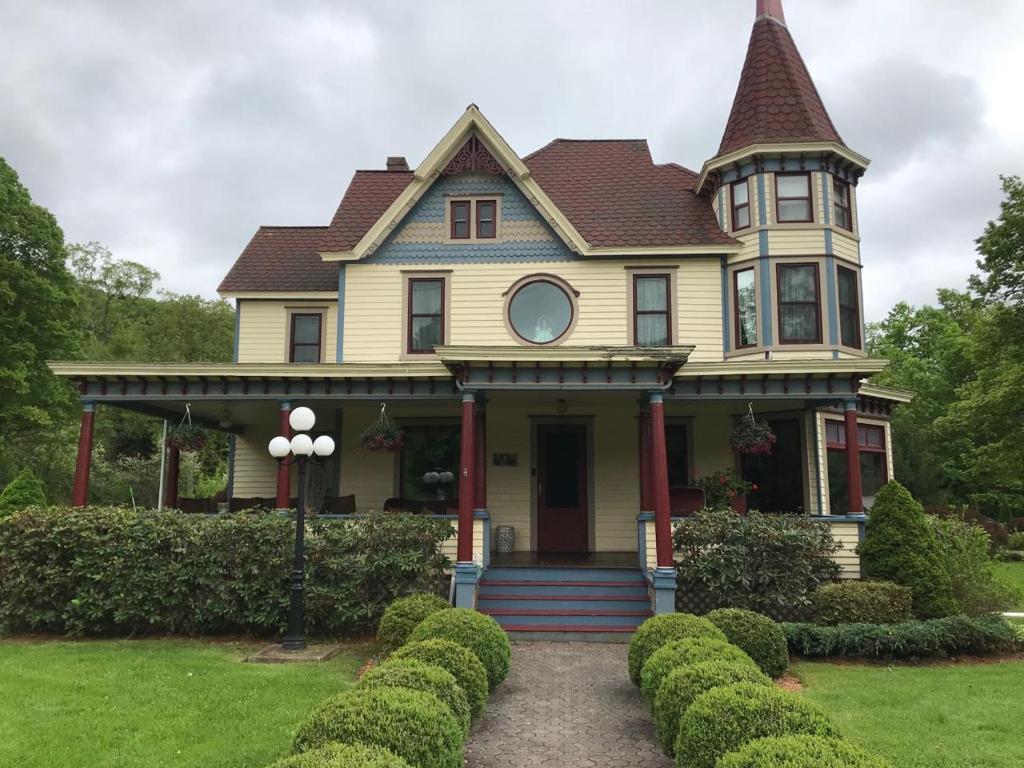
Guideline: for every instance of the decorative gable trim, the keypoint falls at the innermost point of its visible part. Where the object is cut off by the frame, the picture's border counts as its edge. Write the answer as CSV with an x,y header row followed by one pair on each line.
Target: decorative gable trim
x,y
473,157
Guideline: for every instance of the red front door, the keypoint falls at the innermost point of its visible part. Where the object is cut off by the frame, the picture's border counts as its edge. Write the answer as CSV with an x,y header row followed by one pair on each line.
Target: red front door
x,y
562,520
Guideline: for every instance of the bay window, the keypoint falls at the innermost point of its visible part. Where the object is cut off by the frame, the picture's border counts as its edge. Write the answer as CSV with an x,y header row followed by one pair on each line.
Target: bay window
x,y
799,304
874,467
849,308
744,308
793,198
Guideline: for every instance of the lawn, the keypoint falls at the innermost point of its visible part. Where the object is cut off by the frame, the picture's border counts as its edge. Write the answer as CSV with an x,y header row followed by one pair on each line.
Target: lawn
x,y
1012,574
155,703
939,716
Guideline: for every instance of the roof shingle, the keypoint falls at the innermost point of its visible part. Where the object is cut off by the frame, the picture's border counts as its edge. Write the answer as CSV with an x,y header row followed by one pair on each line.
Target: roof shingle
x,y
368,195
282,259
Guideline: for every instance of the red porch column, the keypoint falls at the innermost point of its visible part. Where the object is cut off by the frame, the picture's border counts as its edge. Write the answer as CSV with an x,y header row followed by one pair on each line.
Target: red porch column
x,y
284,469
853,483
646,502
480,441
171,484
467,475
80,490
659,483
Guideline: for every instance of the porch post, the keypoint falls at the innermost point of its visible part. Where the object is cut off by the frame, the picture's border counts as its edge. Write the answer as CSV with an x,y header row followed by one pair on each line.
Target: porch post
x,y
853,481
665,573
171,487
284,469
465,568
80,490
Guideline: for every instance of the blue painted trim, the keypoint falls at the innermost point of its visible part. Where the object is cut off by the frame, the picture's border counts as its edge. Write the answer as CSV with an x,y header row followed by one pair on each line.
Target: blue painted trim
x,y
726,340
364,516
664,580
762,205
238,323
466,577
830,296
231,467
647,517
839,518
89,405
286,405
765,272
655,397
509,252
829,248
340,352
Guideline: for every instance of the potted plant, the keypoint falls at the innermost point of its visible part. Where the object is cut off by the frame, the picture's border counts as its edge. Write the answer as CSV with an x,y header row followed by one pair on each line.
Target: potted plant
x,y
186,437
382,435
752,437
723,490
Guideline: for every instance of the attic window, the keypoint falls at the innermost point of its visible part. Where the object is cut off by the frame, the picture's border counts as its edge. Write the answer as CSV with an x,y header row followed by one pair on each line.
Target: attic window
x,y
460,220
740,191
474,219
485,218
793,195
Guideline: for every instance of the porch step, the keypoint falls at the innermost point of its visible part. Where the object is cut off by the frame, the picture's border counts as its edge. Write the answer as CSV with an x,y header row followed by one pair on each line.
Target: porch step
x,y
563,573
586,602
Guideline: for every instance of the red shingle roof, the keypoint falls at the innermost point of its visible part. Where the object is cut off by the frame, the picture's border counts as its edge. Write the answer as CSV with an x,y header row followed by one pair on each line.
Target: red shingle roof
x,y
616,196
776,101
282,259
368,195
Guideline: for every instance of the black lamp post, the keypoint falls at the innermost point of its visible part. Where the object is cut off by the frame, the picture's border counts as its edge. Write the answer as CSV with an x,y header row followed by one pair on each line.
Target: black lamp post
x,y
303,449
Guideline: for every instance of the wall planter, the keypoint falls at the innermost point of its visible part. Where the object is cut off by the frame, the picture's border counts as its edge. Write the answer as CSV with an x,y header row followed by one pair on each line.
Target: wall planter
x,y
382,435
186,437
752,437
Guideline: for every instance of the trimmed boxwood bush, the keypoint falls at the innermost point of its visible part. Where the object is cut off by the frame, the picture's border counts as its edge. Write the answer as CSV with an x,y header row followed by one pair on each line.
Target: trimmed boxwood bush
x,y
658,630
899,545
412,724
762,639
679,653
419,676
862,602
479,633
800,752
22,492
337,755
724,719
401,617
684,684
461,662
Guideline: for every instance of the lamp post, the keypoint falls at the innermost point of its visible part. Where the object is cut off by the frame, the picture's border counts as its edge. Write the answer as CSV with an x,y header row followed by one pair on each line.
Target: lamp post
x,y
303,449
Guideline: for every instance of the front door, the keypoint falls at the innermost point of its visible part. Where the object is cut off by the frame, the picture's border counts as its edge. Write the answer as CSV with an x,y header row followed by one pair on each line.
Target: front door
x,y
562,488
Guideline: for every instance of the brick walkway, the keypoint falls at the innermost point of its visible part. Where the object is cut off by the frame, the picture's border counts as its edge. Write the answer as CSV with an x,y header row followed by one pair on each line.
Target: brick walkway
x,y
569,705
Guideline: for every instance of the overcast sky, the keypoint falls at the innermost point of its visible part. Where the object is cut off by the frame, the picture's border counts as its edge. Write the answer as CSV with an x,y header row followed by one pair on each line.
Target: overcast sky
x,y
169,131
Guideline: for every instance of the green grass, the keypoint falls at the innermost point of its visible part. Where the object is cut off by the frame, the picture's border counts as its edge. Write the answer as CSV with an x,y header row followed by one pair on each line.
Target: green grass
x,y
154,703
940,716
1013,575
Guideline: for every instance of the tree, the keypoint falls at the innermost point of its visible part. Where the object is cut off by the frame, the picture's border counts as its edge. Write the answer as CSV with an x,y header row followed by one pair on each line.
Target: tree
x,y
23,491
1002,249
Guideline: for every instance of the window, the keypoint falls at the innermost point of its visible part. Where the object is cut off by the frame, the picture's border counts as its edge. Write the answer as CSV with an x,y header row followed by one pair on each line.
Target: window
x,y
849,308
841,204
799,305
651,313
740,205
874,467
745,308
485,218
540,311
429,448
426,314
460,220
793,198
305,341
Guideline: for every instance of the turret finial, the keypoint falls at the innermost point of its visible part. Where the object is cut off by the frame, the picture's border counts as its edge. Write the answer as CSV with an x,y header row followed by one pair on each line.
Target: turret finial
x,y
771,9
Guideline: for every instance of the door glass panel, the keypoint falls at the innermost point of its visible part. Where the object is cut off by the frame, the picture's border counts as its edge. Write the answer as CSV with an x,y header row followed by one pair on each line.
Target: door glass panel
x,y
562,471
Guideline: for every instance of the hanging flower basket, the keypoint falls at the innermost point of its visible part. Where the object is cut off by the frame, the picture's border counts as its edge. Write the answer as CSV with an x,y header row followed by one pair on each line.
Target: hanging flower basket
x,y
382,435
186,437
753,437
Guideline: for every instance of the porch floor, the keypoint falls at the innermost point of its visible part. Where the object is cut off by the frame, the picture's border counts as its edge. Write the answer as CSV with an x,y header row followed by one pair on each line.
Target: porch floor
x,y
627,560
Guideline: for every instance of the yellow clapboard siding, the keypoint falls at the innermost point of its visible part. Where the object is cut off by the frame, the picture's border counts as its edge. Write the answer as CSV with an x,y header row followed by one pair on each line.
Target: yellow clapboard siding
x,y
847,534
796,242
263,328
845,246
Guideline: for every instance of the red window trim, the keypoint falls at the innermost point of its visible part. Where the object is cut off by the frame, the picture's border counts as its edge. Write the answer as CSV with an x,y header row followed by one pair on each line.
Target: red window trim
x,y
494,219
817,300
410,315
849,203
736,307
469,219
319,335
861,446
855,307
809,198
732,198
667,312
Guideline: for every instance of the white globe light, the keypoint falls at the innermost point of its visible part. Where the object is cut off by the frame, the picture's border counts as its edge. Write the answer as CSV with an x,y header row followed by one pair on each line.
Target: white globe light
x,y
302,419
279,447
323,446
302,445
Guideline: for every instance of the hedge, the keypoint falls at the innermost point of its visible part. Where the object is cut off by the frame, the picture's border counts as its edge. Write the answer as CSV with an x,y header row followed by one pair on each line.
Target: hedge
x,y
401,617
800,752
461,662
23,491
658,630
862,602
724,719
473,630
412,724
337,755
679,653
761,638
684,684
936,637
419,676
113,571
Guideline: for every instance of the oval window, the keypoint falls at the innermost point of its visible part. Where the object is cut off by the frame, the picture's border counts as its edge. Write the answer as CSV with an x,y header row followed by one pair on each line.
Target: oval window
x,y
540,312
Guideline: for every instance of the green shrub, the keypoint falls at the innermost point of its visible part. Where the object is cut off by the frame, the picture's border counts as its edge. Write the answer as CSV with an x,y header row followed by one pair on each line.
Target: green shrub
x,y
22,492
420,676
658,630
684,684
800,752
1015,541
110,571
922,639
765,563
679,653
461,662
412,724
1009,556
336,755
964,549
473,630
862,602
900,546
761,638
724,719
401,617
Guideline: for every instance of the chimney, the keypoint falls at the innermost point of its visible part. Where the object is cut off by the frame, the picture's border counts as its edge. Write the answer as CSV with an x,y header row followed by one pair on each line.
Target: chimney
x,y
397,163
771,9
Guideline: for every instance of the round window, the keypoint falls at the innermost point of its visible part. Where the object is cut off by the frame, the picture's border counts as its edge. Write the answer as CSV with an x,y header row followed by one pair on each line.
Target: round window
x,y
540,312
